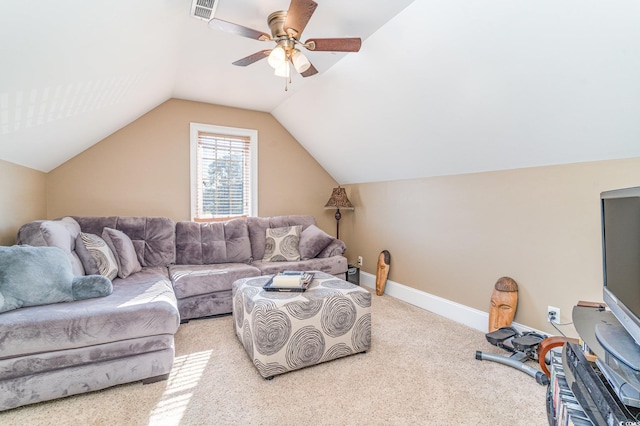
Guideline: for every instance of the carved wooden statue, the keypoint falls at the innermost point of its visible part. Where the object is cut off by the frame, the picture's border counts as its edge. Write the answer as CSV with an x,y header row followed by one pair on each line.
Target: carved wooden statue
x,y
504,301
384,262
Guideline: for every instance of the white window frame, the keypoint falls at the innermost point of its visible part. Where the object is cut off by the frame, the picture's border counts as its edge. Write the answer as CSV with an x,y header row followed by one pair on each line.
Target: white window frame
x,y
195,128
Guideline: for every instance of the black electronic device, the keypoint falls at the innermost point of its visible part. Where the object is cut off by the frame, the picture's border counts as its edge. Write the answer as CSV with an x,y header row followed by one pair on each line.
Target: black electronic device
x,y
353,274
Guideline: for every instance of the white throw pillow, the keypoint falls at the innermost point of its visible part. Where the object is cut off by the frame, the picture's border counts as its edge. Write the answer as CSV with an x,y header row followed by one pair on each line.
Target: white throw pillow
x,y
281,244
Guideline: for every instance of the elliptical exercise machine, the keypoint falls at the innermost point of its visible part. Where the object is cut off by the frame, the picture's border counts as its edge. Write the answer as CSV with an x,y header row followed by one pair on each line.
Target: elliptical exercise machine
x,y
523,347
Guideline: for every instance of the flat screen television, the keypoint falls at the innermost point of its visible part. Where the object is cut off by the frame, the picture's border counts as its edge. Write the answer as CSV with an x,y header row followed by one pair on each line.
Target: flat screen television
x,y
621,267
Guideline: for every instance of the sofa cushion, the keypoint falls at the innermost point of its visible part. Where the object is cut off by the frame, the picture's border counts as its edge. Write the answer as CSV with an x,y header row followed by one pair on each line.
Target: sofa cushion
x,y
212,242
336,265
281,244
96,256
41,366
258,226
60,233
153,237
32,276
335,248
312,241
194,280
123,250
142,305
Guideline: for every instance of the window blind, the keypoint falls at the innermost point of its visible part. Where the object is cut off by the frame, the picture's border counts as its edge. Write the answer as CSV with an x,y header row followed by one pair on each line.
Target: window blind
x,y
223,175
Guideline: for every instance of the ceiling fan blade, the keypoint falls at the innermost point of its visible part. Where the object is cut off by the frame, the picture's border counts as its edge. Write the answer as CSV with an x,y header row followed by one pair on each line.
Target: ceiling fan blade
x,y
230,27
252,58
334,44
310,71
298,16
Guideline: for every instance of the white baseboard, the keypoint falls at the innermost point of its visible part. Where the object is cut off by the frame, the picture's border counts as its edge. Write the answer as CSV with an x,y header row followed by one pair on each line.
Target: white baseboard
x,y
471,317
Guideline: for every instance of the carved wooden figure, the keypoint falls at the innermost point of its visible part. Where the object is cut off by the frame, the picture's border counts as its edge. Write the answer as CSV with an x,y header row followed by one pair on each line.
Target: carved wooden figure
x,y
384,261
504,301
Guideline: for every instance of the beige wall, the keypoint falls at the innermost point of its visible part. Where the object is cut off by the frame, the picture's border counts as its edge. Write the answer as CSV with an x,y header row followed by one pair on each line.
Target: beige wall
x,y
143,169
22,198
451,236
454,236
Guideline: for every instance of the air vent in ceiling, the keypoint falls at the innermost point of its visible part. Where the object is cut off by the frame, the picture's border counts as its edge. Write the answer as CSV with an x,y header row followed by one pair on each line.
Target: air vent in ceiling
x,y
203,9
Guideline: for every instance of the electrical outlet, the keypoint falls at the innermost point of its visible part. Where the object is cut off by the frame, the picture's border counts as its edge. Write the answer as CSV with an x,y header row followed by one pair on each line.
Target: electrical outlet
x,y
359,260
553,314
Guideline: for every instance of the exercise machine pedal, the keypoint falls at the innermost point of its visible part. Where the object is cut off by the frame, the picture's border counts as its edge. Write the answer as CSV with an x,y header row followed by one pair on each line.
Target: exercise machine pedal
x,y
498,336
527,342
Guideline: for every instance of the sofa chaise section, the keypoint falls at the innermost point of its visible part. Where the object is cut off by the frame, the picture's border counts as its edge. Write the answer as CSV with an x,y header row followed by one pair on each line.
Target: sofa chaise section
x,y
63,349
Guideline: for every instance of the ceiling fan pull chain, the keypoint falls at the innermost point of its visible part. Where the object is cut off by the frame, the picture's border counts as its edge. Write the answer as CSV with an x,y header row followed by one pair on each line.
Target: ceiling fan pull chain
x,y
287,78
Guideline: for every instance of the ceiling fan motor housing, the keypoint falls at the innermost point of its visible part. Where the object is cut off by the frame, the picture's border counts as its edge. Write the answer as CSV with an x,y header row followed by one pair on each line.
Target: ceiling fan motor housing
x,y
276,24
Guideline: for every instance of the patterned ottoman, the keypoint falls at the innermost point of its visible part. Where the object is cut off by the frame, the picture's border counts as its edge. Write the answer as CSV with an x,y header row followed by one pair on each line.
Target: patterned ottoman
x,y
285,331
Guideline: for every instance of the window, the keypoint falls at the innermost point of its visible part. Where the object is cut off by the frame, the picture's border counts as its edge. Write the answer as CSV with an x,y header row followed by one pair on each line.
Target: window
x,y
224,171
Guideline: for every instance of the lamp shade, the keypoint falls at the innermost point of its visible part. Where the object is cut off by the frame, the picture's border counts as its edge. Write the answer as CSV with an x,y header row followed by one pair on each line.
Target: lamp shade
x,y
339,200
300,62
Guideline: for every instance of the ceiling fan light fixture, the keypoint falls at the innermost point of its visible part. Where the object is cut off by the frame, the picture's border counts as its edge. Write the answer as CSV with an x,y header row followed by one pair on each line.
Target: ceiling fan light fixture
x,y
282,70
277,57
300,62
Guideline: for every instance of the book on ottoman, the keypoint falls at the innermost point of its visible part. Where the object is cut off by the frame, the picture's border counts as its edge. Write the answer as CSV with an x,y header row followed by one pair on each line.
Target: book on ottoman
x,y
289,281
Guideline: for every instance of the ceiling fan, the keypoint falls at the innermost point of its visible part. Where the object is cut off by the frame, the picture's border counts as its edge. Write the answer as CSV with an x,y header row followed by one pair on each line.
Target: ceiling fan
x,y
286,28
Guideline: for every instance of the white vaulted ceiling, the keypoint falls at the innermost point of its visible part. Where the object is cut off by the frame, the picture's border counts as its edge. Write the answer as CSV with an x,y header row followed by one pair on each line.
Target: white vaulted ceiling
x,y
439,87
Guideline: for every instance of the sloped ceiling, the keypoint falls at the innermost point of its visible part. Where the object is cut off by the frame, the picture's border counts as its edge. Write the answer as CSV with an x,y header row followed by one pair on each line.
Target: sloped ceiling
x,y
439,87
457,86
73,72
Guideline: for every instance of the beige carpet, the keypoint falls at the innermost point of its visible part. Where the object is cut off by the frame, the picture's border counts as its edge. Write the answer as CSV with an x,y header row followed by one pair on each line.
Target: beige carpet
x,y
420,370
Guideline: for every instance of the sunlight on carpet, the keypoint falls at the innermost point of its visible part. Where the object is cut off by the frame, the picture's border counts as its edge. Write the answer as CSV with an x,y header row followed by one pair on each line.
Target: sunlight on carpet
x,y
185,375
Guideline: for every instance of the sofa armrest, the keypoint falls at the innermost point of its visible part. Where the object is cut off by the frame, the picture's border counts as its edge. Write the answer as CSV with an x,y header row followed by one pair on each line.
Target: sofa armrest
x,y
335,248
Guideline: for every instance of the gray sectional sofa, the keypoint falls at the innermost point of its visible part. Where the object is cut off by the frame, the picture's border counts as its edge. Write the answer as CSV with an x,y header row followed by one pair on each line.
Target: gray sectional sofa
x,y
175,272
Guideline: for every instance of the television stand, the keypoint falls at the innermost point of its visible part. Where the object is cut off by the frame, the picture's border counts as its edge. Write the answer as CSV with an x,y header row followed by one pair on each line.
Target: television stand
x,y
619,344
626,386
586,391
621,363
